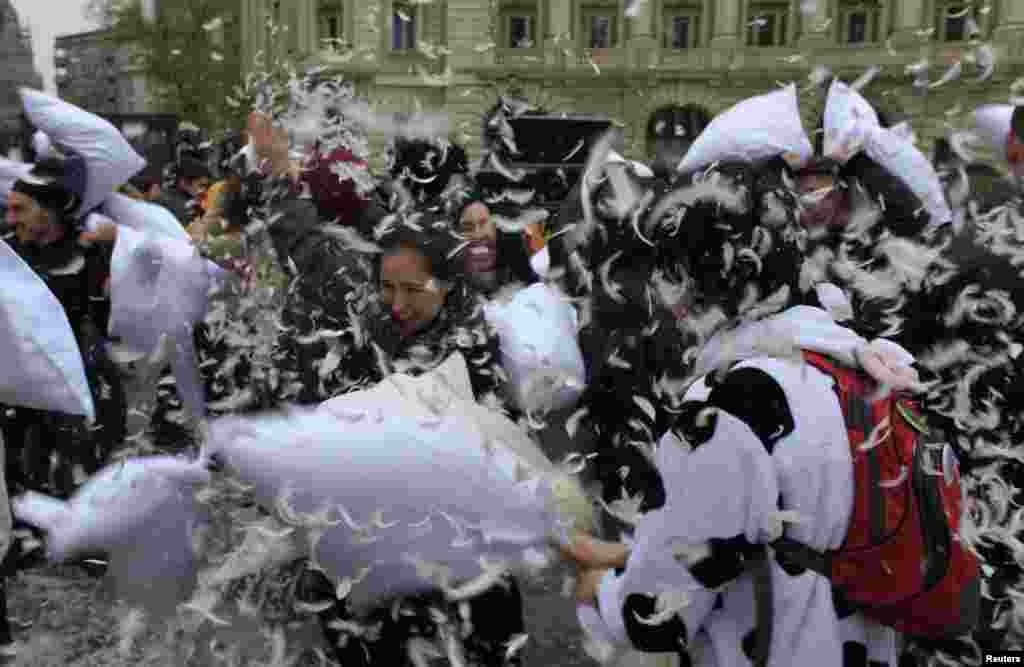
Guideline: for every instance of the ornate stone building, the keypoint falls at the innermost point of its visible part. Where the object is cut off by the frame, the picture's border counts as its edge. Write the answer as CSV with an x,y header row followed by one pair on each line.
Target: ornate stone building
x,y
589,55
17,69
96,75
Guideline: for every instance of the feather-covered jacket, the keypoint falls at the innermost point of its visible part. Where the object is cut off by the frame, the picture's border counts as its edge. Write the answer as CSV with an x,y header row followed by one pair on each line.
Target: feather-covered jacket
x,y
777,440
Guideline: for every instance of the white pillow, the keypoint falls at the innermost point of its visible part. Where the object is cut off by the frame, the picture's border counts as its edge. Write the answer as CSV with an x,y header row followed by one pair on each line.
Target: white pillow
x,y
406,486
992,124
43,366
110,160
159,287
757,128
847,118
145,217
539,348
903,160
141,514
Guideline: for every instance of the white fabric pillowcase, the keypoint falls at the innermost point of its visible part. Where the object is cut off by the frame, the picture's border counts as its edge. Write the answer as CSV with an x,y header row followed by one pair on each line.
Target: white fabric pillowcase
x,y
755,129
43,367
110,160
992,125
539,348
851,124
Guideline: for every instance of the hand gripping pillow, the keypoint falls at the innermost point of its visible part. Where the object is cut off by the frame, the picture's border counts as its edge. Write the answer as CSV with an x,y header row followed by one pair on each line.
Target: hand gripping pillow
x,y
159,287
387,500
539,348
851,124
848,116
146,218
141,514
446,390
755,129
992,124
43,367
110,160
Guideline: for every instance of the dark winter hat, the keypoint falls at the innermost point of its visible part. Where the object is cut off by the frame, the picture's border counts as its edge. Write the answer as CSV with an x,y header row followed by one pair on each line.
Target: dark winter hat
x,y
56,183
191,169
682,123
336,198
426,167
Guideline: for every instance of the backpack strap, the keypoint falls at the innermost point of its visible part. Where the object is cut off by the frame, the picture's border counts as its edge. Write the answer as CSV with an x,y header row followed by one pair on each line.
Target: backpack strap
x,y
760,566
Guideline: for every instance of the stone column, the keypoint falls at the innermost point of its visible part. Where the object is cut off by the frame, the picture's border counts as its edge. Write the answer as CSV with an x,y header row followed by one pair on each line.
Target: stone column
x,y
468,26
814,26
558,31
727,32
1010,29
306,37
908,18
643,42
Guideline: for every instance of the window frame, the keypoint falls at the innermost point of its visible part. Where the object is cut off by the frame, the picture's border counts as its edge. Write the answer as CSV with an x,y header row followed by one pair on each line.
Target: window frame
x,y
693,11
847,10
781,11
344,33
415,13
530,9
940,16
583,13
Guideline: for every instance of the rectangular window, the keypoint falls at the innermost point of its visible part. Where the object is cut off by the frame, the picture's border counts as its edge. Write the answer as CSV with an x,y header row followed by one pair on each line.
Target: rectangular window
x,y
403,27
331,24
600,34
956,22
768,25
859,22
681,26
521,30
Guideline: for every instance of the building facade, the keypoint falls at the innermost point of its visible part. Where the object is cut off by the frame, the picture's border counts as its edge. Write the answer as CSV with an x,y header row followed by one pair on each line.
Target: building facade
x,y
625,58
17,69
95,74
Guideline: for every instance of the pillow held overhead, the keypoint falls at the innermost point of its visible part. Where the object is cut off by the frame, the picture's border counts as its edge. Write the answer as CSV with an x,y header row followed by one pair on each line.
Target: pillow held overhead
x,y
755,129
43,368
110,159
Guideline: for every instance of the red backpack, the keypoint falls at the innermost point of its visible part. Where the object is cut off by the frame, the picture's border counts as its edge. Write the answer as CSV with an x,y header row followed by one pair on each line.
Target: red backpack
x,y
903,562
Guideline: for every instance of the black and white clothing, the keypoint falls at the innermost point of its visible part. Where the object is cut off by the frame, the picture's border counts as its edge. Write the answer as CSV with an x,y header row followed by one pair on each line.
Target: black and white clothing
x,y
776,442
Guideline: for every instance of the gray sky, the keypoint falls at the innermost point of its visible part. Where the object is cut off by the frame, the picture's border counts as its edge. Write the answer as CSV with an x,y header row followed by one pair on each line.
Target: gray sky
x,y
47,19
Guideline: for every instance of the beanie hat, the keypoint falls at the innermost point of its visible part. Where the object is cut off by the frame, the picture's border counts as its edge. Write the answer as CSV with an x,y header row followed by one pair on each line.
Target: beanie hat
x,y
57,183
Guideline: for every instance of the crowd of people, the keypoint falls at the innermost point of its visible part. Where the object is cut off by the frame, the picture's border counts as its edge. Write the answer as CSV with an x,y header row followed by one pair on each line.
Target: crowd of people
x,y
702,280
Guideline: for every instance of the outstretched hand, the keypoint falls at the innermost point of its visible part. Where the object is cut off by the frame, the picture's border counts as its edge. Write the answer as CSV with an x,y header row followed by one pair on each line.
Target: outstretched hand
x,y
588,552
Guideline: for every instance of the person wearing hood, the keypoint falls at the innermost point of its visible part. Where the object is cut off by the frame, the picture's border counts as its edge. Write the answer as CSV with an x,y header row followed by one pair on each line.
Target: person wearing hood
x,y
671,130
46,234
735,434
184,197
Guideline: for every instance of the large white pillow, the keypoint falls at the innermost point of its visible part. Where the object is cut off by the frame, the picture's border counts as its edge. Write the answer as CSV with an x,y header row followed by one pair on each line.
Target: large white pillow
x,y
539,348
847,119
992,125
141,514
905,161
110,160
159,286
757,128
409,491
145,217
43,366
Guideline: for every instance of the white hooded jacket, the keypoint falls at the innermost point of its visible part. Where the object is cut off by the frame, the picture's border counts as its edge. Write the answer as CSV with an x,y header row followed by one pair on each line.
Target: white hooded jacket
x,y
696,596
